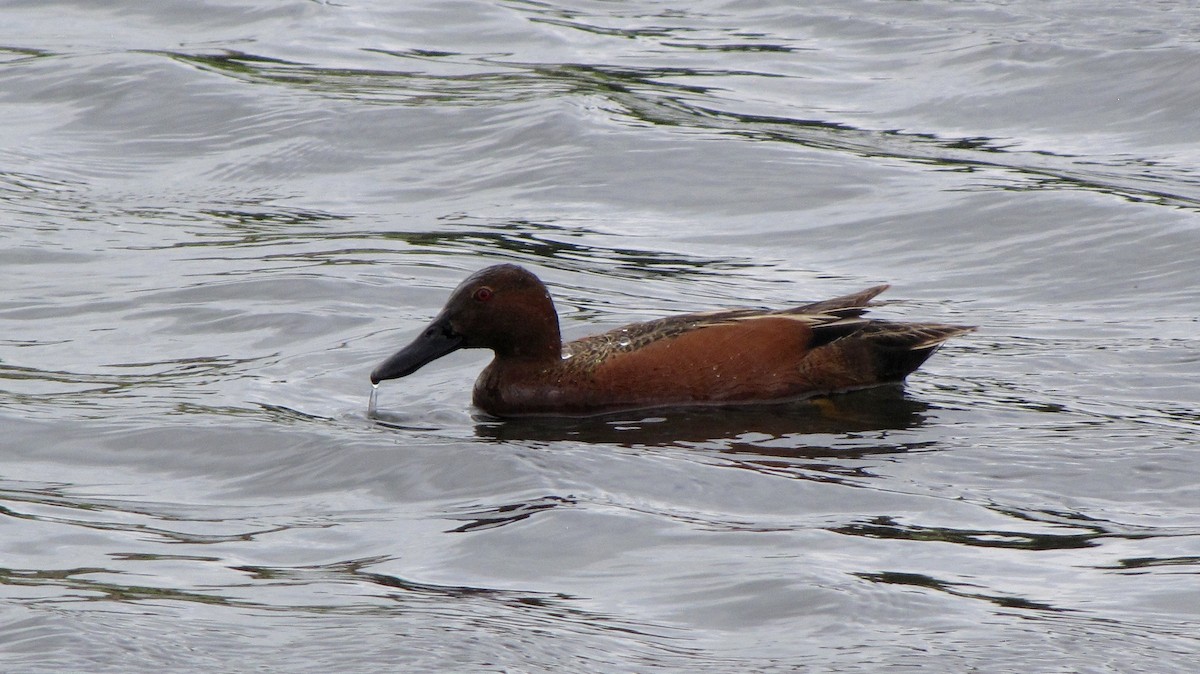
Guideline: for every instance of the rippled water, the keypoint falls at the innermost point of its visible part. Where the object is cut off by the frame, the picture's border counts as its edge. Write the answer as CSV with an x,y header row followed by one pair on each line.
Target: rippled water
x,y
217,217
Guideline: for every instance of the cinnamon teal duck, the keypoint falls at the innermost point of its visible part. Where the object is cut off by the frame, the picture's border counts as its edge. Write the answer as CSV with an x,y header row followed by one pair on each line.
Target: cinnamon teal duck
x,y
725,357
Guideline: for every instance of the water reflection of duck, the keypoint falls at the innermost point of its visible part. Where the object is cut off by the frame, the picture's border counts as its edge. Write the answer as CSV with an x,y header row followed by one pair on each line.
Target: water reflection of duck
x,y
734,356
844,426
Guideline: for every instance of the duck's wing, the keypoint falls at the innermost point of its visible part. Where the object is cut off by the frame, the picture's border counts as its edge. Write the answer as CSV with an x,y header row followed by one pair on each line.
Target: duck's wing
x,y
828,319
854,304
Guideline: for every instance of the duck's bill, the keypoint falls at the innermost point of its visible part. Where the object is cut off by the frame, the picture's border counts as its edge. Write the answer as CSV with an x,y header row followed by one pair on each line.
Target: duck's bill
x,y
436,341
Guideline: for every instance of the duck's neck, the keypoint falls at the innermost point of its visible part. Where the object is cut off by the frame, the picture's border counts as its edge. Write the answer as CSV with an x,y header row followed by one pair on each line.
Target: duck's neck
x,y
543,345
535,336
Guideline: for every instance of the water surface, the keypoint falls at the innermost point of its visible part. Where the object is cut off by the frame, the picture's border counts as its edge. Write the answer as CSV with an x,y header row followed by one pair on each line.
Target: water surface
x,y
218,217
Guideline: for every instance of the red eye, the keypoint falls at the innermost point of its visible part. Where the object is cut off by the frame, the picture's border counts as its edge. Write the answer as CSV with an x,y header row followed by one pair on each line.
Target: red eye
x,y
482,294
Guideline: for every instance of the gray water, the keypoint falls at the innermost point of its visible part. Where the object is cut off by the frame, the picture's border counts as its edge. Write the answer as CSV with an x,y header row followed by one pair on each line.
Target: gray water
x,y
217,217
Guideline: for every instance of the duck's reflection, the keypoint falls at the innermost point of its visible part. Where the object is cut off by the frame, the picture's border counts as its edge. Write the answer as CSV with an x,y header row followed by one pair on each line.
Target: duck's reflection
x,y
822,439
843,425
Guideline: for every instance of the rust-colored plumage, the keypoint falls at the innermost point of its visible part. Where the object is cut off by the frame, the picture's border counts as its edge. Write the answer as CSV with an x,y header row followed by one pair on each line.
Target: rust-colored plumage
x,y
736,356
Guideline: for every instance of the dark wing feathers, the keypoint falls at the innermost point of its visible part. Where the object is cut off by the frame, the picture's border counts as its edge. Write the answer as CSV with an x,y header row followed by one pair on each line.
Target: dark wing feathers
x,y
845,306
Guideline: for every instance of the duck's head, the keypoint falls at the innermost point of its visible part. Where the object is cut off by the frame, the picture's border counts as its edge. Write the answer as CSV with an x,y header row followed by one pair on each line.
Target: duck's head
x,y
504,308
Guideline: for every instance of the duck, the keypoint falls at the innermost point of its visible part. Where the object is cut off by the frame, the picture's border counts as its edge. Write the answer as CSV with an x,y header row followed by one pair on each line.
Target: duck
x,y
715,358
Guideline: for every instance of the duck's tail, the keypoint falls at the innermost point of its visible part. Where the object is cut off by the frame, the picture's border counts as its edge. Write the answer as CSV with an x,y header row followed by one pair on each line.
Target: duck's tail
x,y
898,349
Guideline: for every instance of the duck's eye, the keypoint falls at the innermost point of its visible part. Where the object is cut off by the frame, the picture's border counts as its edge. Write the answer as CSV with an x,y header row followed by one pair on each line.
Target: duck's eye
x,y
482,294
